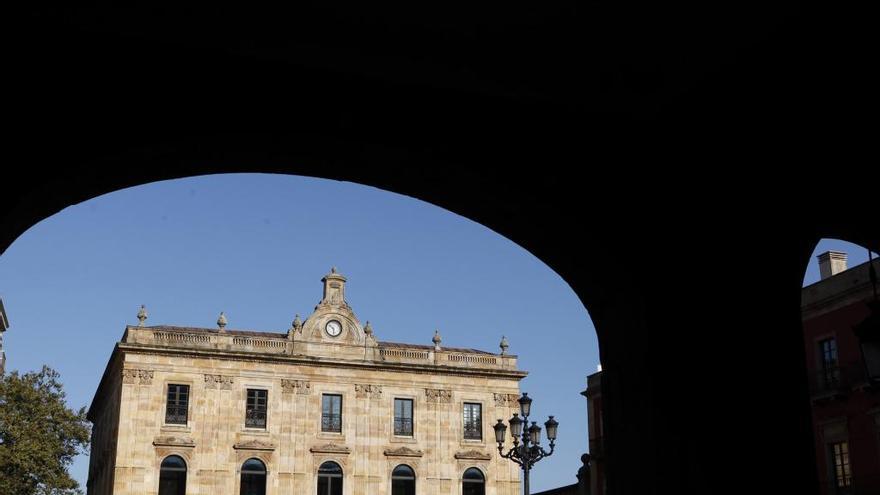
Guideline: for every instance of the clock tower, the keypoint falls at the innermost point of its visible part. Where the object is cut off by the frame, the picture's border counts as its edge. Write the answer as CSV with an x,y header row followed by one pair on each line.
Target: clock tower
x,y
334,288
333,328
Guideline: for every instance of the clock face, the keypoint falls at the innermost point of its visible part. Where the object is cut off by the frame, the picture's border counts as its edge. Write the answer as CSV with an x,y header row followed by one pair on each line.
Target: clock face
x,y
333,328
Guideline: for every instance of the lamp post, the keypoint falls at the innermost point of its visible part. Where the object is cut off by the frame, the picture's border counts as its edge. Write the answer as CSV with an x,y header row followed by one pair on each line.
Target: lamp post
x,y
530,451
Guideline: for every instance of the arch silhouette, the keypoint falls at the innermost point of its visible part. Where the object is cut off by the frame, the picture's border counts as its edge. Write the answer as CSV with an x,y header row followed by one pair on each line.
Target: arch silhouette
x,y
675,271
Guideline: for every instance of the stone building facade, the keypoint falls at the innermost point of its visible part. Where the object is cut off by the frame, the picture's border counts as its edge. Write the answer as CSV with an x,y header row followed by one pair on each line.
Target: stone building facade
x,y
322,408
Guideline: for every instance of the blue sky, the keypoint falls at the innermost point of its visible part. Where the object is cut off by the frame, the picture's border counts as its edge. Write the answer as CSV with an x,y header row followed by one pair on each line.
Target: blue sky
x,y
256,246
856,255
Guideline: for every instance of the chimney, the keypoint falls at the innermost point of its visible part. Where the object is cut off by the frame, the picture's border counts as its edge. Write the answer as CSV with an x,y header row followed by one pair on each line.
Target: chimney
x,y
831,263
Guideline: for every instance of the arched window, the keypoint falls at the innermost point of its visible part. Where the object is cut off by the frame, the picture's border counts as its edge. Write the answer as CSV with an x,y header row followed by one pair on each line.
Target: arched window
x,y
330,479
172,476
473,482
403,481
253,477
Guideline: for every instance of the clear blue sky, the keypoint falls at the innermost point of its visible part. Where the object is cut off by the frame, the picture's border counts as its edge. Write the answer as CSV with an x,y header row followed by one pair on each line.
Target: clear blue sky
x,y
256,246
856,255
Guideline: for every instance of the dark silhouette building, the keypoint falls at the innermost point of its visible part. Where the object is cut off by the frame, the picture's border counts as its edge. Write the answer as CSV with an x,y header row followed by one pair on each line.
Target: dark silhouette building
x,y
846,406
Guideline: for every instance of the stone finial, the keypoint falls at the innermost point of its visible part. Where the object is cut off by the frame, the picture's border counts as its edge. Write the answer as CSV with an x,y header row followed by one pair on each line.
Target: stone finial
x,y
142,315
368,329
436,340
503,345
297,323
221,322
332,269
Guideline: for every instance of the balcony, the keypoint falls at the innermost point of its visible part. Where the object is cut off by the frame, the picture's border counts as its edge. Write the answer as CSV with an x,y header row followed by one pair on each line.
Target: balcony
x,y
175,415
255,418
837,382
331,423
473,430
403,427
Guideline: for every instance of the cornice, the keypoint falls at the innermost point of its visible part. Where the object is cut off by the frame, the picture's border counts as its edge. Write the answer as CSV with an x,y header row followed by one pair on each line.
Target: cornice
x,y
403,452
322,361
330,448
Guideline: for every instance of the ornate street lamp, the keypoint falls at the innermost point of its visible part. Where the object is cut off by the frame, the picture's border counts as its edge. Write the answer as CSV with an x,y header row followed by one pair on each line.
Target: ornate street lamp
x,y
530,452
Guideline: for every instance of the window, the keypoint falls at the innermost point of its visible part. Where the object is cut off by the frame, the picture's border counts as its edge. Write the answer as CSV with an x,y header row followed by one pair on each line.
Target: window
x,y
403,481
840,464
830,371
255,414
473,421
253,477
330,478
172,476
473,482
177,404
403,417
331,413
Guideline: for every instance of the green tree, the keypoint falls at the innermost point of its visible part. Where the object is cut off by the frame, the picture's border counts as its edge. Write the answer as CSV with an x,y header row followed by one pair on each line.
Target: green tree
x,y
39,435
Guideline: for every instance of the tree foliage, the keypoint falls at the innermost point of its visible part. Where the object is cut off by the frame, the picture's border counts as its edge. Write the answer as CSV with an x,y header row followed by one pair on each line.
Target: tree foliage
x,y
39,435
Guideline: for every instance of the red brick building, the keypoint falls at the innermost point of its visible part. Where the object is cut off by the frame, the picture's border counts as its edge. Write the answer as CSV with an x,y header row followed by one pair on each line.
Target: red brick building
x,y
846,406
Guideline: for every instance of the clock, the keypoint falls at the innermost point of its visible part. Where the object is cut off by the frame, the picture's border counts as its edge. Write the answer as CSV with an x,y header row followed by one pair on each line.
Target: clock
x,y
333,328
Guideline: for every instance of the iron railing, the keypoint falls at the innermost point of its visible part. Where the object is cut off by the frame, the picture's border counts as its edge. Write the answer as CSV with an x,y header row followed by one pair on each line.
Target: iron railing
x,y
403,426
175,414
838,379
331,422
473,430
255,418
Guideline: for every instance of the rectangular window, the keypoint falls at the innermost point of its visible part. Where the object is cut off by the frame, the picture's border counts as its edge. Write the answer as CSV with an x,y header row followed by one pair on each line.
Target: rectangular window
x,y
830,371
403,417
255,415
177,404
331,413
840,458
473,421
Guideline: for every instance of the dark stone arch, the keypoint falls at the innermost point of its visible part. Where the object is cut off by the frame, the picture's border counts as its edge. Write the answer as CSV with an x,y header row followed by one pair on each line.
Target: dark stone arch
x,y
670,271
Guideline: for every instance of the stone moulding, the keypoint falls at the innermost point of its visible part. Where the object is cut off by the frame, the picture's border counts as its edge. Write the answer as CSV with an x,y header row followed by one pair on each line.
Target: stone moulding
x,y
438,396
506,400
218,381
403,452
254,445
473,455
301,387
330,448
169,441
143,377
371,391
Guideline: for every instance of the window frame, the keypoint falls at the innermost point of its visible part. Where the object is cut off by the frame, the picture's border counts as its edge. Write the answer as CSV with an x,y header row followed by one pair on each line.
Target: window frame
x,y
464,429
414,477
845,464
168,404
412,417
184,470
330,477
341,413
247,392
241,473
482,483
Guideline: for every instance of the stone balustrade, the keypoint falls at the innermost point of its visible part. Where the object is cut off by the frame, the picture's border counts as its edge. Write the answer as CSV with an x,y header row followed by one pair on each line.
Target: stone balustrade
x,y
182,337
